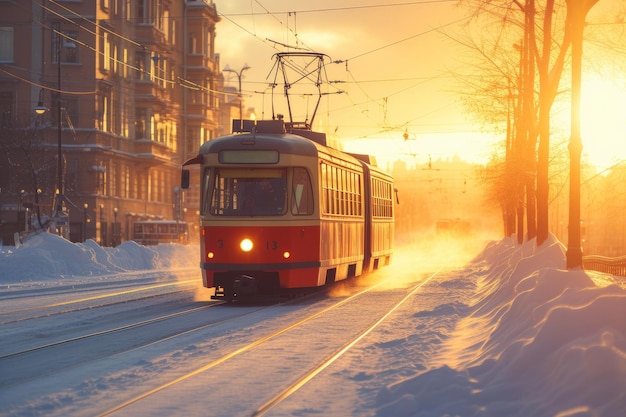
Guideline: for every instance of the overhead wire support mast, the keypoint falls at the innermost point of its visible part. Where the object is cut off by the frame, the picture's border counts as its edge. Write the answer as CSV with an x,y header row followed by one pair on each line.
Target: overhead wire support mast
x,y
283,65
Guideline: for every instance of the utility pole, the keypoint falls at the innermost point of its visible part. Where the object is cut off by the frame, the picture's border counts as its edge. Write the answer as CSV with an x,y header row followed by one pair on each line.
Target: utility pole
x,y
239,75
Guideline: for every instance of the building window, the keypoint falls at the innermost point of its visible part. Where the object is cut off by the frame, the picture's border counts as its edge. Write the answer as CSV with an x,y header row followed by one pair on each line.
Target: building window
x,y
123,67
193,43
6,44
7,101
166,25
141,11
145,10
141,121
113,179
173,39
71,176
106,115
124,119
192,141
71,108
125,179
106,52
140,66
66,41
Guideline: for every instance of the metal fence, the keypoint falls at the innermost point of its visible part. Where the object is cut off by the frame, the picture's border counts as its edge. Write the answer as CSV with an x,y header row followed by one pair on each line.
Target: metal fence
x,y
613,266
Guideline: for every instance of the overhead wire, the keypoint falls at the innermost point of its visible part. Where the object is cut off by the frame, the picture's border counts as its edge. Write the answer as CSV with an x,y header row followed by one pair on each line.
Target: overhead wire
x,y
183,82
336,9
95,23
192,85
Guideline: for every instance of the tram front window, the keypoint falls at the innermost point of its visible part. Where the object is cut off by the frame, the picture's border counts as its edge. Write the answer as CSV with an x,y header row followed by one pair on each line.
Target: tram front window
x,y
249,192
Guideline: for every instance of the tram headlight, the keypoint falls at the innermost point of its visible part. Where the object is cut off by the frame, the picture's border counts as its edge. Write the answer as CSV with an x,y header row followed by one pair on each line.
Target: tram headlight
x,y
286,254
210,255
246,245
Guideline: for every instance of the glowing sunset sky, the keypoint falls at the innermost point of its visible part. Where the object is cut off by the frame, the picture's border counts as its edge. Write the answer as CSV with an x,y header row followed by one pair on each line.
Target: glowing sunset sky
x,y
398,70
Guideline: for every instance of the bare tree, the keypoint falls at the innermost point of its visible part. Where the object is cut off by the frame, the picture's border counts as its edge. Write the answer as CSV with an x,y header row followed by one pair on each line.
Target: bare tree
x,y
27,167
546,30
501,92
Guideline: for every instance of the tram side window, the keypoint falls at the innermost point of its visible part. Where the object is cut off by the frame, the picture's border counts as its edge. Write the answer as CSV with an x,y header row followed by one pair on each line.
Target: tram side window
x,y
358,196
382,199
301,193
324,182
341,191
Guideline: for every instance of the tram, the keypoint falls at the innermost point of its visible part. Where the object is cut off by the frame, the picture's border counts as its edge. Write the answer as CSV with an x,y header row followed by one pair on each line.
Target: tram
x,y
280,211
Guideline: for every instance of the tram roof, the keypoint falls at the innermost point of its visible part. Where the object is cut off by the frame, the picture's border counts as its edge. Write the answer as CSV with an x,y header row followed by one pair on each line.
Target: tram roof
x,y
283,137
284,143
276,135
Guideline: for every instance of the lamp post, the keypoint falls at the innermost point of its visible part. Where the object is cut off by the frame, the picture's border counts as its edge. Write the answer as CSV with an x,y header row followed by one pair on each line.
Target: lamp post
x,y
59,216
102,234
85,207
115,228
239,74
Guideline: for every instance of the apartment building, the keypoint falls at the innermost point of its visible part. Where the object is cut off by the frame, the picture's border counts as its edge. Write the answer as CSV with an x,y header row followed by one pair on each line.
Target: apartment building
x,y
124,92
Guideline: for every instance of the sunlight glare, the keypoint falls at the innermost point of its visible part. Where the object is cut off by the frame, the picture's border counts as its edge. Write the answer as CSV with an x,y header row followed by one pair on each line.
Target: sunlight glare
x,y
603,123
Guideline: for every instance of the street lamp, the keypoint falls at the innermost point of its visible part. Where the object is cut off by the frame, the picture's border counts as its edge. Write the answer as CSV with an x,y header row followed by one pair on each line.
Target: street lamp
x,y
102,233
59,216
115,227
239,74
85,207
40,108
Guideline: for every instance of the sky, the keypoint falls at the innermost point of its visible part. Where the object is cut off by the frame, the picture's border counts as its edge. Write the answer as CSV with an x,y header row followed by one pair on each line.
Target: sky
x,y
503,330
397,69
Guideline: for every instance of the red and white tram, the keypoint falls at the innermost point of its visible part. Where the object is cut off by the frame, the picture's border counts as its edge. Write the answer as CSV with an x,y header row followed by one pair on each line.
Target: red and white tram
x,y
282,212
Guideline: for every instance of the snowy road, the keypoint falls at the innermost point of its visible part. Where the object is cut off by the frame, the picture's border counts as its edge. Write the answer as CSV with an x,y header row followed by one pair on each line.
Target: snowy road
x,y
149,338
509,332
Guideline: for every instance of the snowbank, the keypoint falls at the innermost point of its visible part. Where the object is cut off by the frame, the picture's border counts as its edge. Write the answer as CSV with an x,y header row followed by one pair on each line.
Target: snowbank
x,y
514,334
46,256
536,340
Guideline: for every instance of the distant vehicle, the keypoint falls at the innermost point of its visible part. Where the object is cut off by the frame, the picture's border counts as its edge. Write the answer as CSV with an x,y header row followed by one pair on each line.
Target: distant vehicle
x,y
453,227
155,232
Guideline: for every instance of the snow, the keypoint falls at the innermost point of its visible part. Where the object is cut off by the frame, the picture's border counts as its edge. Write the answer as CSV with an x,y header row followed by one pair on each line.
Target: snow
x,y
45,258
508,333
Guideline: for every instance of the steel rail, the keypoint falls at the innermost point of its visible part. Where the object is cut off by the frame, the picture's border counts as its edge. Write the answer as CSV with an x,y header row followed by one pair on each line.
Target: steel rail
x,y
237,352
329,360
92,298
109,331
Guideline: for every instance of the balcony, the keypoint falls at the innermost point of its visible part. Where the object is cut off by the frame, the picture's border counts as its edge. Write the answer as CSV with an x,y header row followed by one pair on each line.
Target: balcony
x,y
151,150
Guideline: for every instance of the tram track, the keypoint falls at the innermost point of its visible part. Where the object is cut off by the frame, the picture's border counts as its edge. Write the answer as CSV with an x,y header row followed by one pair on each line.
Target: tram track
x,y
23,358
55,349
61,307
109,331
291,388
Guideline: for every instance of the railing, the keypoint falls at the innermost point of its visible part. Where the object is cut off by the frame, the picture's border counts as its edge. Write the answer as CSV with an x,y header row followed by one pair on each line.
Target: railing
x,y
613,266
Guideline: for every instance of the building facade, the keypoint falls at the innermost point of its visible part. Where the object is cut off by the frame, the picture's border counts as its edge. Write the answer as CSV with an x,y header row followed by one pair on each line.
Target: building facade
x,y
125,92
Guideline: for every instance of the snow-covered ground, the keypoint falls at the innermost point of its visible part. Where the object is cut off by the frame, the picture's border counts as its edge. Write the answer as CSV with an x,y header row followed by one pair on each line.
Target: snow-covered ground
x,y
46,259
508,333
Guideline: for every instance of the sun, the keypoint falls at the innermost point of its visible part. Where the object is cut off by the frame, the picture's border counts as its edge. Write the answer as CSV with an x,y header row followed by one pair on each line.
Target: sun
x,y
603,120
